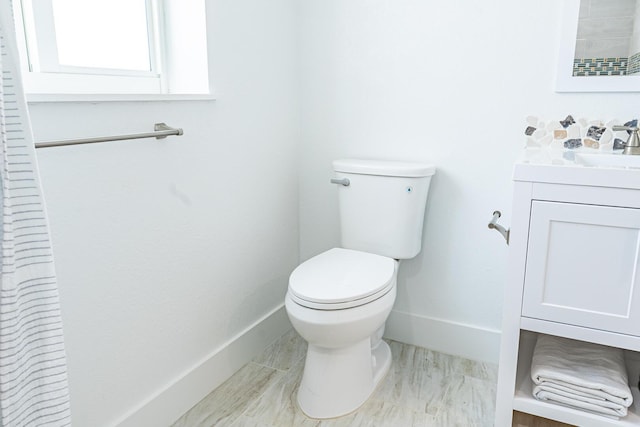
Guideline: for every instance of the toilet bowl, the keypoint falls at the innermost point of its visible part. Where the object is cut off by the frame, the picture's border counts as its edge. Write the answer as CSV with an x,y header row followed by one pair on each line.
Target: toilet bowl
x,y
338,302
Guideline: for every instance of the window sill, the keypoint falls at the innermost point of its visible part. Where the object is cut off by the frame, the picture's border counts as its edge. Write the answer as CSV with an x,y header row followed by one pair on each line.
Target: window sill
x,y
37,98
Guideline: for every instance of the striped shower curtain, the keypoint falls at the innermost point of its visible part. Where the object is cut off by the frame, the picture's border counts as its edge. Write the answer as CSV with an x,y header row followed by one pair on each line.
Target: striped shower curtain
x,y
33,373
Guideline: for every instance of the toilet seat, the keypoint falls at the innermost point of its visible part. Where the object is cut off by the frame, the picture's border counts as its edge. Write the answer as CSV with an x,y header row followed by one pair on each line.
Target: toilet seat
x,y
341,278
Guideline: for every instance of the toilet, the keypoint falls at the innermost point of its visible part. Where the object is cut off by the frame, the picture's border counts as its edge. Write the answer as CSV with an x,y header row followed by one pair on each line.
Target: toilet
x,y
339,300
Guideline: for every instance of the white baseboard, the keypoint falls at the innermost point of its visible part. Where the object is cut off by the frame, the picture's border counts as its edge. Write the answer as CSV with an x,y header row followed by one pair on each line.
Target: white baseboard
x,y
469,341
168,404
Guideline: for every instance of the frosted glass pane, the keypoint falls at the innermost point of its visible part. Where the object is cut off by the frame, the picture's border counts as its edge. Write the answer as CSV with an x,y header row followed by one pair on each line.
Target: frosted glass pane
x,y
102,33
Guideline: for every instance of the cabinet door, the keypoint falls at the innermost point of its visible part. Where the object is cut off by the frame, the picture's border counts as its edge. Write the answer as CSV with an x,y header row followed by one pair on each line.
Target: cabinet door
x,y
582,266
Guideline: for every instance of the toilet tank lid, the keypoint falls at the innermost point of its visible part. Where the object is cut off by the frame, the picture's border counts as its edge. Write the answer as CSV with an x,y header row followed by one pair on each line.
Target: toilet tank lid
x,y
384,167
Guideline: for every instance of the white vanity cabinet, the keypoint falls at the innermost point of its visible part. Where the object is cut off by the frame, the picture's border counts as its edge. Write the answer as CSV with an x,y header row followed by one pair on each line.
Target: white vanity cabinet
x,y
574,271
581,266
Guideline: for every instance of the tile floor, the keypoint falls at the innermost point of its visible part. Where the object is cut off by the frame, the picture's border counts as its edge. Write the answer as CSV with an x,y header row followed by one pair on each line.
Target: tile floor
x,y
423,388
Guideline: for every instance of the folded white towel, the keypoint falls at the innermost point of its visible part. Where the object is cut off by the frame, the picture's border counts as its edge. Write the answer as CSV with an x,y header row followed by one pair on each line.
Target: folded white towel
x,y
609,409
582,375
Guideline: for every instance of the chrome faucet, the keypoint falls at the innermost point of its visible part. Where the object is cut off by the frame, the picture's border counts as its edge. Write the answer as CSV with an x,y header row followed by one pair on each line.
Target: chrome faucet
x,y
633,143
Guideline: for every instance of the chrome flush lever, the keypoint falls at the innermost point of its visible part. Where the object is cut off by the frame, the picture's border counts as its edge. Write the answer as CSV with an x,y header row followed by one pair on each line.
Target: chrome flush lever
x,y
343,181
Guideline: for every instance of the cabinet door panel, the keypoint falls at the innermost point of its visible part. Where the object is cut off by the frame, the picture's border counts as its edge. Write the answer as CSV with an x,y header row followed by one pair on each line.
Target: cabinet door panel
x,y
582,266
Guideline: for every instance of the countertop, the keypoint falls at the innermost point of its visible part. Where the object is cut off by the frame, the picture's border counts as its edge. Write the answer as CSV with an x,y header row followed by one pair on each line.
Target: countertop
x,y
578,167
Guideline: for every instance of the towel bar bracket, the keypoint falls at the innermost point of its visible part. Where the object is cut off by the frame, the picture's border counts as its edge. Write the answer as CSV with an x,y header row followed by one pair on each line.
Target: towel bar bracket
x,y
163,127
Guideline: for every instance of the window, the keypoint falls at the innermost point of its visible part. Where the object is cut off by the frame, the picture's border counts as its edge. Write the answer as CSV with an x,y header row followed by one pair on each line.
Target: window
x,y
113,46
129,48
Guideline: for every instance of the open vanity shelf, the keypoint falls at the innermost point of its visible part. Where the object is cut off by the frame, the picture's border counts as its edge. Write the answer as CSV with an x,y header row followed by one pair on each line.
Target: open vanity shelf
x,y
523,400
574,272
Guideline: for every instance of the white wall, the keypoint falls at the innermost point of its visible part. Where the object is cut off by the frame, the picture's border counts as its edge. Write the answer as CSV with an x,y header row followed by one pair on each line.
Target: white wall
x,y
166,250
444,82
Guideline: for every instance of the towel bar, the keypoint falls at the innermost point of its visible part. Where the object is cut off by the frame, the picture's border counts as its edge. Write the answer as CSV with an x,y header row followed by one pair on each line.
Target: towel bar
x,y
161,130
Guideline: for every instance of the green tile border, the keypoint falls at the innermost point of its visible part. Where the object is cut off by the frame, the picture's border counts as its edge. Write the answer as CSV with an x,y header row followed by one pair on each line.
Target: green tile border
x,y
602,66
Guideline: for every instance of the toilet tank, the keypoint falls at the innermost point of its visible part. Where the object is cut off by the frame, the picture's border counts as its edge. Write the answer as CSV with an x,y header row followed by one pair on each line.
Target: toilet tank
x,y
382,208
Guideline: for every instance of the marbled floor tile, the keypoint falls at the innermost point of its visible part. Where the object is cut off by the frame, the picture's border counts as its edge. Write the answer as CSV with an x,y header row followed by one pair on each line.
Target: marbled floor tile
x,y
404,355
286,351
468,401
249,422
401,384
376,413
420,390
423,388
449,365
480,370
433,393
419,378
228,402
445,363
278,405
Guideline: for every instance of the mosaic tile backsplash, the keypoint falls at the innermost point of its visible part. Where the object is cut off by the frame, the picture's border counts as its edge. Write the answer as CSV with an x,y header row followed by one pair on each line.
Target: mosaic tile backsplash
x,y
600,66
634,64
572,134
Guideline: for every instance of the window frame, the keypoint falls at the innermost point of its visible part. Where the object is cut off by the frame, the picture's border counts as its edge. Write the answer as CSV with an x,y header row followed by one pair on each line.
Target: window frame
x,y
46,74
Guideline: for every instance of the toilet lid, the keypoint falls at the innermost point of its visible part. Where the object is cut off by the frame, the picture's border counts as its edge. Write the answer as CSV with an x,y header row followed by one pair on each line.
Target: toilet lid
x,y
341,277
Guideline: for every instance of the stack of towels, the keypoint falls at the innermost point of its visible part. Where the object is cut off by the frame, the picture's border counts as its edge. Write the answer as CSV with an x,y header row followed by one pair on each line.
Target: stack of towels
x,y
581,375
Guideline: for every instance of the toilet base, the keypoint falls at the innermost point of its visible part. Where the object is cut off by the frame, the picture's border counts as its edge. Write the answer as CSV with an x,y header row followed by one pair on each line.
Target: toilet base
x,y
381,361
338,381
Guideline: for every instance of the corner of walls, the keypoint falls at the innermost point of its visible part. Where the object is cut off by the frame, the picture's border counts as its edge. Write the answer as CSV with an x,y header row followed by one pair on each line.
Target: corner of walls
x,y
169,403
